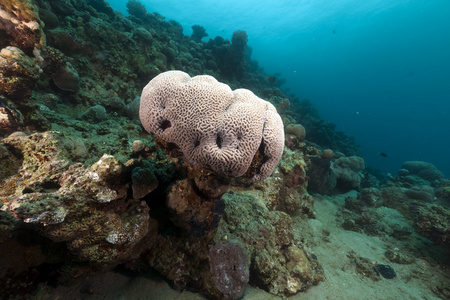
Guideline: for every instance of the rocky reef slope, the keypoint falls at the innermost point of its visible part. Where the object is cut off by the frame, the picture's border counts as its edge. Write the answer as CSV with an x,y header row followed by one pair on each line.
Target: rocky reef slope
x,y
85,190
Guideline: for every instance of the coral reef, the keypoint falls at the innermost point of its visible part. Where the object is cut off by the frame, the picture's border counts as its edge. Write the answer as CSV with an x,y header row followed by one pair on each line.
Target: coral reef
x,y
84,189
198,32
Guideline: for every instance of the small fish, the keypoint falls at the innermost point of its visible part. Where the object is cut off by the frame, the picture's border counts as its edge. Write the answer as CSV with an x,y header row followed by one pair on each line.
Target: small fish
x,y
271,79
383,154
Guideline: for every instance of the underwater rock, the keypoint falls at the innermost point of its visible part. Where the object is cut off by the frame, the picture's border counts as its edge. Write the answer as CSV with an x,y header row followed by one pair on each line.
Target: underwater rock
x,y
95,113
19,20
182,260
364,266
208,183
398,257
143,182
66,78
328,154
132,109
49,18
9,165
229,264
191,211
10,118
64,202
142,35
322,179
136,9
423,193
247,221
283,105
296,129
394,197
279,264
288,186
423,169
348,172
107,169
138,146
432,221
19,74
102,6
385,271
442,193
76,148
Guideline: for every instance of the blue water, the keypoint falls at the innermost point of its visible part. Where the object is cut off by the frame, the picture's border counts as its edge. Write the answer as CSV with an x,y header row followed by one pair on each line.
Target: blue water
x,y
379,69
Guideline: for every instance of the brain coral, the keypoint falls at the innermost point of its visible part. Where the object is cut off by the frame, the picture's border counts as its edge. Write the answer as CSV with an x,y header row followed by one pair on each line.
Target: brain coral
x,y
213,125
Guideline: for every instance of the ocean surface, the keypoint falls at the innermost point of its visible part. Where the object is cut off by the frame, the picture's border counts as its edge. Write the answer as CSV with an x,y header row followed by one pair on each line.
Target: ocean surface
x,y
379,70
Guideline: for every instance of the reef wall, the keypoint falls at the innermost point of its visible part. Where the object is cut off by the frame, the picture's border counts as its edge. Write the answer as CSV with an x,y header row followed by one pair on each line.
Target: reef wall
x,y
84,189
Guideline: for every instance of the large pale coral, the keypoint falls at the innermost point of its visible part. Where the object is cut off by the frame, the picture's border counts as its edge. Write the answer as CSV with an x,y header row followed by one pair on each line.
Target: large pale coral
x,y
213,125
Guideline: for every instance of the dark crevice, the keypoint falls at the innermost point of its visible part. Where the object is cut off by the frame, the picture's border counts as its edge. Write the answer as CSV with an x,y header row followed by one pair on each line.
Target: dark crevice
x,y
219,139
258,161
165,124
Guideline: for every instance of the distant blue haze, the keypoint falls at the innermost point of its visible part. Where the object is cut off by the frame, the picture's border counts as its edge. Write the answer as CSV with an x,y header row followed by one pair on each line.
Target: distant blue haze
x,y
379,69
